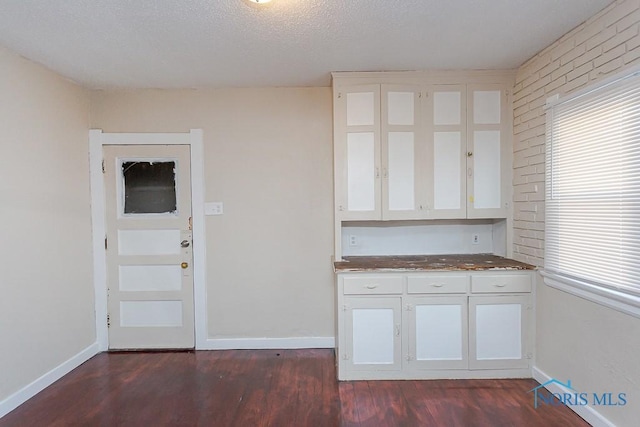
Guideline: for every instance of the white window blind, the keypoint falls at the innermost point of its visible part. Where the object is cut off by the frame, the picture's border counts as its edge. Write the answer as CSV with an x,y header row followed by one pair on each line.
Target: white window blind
x,y
592,212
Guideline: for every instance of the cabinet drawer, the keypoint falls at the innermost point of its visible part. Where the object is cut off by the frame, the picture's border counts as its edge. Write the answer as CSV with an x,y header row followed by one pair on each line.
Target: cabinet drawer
x,y
496,283
453,284
373,285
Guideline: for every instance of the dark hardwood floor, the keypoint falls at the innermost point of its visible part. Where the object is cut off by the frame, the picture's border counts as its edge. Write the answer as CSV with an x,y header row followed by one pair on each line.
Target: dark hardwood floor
x,y
270,388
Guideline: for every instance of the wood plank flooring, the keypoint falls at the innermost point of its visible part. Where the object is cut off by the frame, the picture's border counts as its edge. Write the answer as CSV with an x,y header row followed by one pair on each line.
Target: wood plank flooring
x,y
270,388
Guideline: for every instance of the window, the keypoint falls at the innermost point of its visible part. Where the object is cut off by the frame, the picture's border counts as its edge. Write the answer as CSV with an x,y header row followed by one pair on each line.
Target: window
x,y
592,212
149,187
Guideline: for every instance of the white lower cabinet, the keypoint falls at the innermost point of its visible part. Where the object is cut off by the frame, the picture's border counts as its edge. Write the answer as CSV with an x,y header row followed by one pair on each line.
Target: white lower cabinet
x,y
437,332
372,333
498,332
434,325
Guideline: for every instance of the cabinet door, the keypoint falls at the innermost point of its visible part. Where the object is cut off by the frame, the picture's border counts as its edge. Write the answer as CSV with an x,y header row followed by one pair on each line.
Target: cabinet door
x,y
446,154
372,333
499,332
487,161
403,180
357,152
437,332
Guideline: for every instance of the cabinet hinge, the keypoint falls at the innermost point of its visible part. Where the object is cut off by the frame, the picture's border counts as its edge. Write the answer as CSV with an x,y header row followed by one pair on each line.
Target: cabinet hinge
x,y
345,356
408,307
529,356
339,95
345,307
108,320
103,169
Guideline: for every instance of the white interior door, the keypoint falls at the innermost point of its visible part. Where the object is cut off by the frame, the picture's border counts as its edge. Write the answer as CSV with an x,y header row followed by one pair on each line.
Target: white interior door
x,y
149,246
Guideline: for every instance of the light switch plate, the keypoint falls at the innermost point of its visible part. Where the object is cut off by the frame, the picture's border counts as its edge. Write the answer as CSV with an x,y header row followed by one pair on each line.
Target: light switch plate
x,y
213,208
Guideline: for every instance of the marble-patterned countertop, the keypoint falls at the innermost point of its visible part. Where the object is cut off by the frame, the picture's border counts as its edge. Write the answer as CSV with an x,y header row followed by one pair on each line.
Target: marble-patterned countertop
x,y
469,262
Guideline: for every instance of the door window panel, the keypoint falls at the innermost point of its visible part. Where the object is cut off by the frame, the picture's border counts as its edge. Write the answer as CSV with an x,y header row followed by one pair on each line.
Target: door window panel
x,y
149,187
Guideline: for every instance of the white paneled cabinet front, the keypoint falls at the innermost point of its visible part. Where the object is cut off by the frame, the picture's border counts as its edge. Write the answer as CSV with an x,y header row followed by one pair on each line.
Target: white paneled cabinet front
x,y
447,124
437,332
467,127
377,148
488,171
434,325
499,331
372,333
421,151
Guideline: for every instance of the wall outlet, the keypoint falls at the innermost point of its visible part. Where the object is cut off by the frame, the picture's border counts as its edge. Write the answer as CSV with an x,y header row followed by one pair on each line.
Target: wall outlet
x,y
353,240
475,239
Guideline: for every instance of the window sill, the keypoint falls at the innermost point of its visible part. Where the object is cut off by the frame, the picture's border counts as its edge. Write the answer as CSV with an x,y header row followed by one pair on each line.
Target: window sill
x,y
619,301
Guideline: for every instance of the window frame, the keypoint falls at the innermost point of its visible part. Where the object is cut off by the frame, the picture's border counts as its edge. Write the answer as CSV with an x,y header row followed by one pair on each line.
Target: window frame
x,y
615,299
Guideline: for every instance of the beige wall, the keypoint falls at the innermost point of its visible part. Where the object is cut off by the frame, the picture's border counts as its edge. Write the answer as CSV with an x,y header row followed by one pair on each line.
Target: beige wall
x,y
46,306
268,158
596,347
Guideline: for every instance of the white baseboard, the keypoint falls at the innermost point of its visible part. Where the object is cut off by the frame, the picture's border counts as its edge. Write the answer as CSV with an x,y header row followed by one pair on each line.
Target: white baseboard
x,y
266,343
586,412
30,390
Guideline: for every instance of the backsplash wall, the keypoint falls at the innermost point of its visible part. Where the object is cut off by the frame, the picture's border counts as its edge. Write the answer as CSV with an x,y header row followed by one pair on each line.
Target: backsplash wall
x,y
419,238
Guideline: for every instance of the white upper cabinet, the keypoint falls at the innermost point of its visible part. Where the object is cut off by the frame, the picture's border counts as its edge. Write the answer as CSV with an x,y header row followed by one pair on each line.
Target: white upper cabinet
x,y
377,150
488,173
402,148
447,124
421,150
467,128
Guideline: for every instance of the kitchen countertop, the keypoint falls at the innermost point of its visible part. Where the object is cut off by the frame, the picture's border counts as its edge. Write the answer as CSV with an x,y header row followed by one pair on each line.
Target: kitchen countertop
x,y
469,262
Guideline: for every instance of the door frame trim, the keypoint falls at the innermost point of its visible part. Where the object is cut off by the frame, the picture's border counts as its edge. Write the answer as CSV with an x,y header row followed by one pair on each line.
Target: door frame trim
x,y
194,138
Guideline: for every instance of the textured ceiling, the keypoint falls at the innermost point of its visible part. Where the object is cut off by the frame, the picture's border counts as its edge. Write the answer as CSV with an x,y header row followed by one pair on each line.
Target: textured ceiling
x,y
221,43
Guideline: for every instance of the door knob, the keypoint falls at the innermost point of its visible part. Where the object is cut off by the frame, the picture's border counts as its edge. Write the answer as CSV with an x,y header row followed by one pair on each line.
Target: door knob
x,y
184,244
184,265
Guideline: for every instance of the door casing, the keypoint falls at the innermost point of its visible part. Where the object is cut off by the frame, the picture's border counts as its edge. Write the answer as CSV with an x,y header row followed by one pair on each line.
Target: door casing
x,y
97,139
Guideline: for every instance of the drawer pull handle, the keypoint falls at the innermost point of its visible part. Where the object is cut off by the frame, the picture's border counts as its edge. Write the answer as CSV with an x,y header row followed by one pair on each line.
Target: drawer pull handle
x,y
371,286
437,285
500,285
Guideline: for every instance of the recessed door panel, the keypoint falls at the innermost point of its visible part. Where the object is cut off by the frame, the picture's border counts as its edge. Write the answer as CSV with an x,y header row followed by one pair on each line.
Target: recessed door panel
x,y
440,332
447,108
498,328
361,173
360,109
486,170
447,170
486,107
150,278
151,313
149,242
373,336
400,108
401,172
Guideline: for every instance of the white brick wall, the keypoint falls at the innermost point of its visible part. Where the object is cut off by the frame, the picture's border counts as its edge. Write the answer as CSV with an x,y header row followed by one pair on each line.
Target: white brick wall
x,y
605,44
